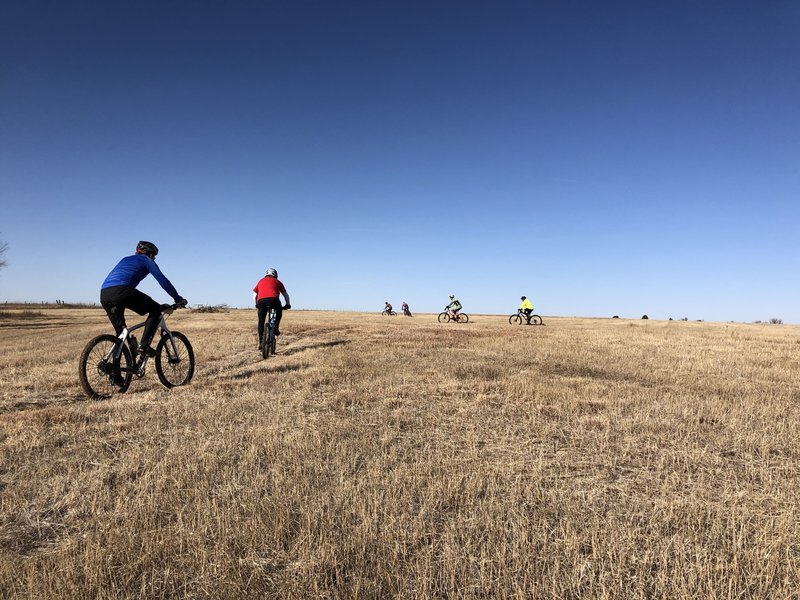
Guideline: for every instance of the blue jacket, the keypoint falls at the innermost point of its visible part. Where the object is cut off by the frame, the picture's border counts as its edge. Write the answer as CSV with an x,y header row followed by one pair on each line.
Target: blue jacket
x,y
132,269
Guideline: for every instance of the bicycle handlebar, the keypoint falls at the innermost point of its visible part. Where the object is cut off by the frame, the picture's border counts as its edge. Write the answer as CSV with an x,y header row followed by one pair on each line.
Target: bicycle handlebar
x,y
167,309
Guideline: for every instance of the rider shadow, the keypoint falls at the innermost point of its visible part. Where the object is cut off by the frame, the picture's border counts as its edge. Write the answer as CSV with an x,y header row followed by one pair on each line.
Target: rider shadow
x,y
296,349
270,369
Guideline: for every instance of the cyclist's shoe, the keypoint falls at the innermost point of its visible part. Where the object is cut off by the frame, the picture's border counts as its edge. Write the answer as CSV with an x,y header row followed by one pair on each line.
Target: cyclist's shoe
x,y
117,380
147,351
277,331
260,345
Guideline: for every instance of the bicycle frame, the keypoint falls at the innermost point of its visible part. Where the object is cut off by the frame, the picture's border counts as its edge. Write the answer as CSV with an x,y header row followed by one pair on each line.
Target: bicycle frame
x,y
268,333
272,316
126,332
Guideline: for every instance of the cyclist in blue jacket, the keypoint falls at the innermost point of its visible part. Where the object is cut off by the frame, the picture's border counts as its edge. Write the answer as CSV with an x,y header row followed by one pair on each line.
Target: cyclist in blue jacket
x,y
119,292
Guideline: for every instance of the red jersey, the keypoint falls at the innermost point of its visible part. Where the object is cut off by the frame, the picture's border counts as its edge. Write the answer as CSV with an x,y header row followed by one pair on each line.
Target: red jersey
x,y
268,287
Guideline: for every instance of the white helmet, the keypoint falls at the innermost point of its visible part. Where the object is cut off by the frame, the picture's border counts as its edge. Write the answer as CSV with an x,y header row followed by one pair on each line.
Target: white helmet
x,y
272,273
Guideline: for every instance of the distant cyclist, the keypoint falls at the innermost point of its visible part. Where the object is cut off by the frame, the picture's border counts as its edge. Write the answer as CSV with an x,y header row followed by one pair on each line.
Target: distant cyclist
x,y
454,306
119,292
387,308
526,306
266,296
406,310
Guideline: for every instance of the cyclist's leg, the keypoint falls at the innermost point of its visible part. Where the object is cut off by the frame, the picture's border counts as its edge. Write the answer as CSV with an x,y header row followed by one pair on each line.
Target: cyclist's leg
x,y
262,315
275,304
112,299
142,304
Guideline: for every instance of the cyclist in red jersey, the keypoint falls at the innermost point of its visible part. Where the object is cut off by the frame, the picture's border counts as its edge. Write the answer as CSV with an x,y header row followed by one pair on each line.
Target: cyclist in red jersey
x,y
266,296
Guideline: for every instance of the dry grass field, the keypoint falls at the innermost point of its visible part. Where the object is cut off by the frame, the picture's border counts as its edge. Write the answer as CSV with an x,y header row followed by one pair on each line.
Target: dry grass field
x,y
388,457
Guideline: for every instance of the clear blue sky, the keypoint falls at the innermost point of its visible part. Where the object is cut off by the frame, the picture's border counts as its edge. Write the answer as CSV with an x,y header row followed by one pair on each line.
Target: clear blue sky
x,y
600,157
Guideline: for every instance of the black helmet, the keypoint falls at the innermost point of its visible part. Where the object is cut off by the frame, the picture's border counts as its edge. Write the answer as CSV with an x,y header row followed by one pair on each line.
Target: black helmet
x,y
523,298
148,248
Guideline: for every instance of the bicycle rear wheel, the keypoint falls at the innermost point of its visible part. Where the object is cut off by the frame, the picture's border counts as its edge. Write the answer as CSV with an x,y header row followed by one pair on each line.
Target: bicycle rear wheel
x,y
265,347
174,365
514,320
535,320
444,317
97,368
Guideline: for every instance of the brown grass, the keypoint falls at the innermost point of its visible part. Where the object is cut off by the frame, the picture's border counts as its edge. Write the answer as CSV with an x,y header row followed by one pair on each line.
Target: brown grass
x,y
401,458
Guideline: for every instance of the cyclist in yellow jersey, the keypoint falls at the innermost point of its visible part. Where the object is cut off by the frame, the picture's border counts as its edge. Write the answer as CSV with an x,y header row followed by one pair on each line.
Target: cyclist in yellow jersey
x,y
526,306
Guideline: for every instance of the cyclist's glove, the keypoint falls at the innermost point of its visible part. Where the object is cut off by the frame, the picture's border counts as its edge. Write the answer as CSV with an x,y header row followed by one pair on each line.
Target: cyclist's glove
x,y
182,302
287,307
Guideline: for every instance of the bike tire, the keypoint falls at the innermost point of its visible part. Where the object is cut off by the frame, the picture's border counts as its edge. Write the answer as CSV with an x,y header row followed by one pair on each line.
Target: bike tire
x,y
444,317
174,370
265,346
265,341
515,320
97,374
462,318
535,320
269,335
272,343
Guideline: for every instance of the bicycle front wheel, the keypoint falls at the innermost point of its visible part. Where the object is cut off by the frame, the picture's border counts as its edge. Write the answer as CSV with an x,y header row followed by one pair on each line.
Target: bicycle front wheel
x,y
444,317
462,318
101,376
535,320
514,320
174,363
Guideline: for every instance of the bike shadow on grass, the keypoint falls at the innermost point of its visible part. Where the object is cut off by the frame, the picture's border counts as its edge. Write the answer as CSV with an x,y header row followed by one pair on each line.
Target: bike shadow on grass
x,y
259,370
297,349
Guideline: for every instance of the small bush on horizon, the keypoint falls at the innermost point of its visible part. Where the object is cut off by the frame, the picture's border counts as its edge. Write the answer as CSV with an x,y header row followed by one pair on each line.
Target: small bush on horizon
x,y
216,308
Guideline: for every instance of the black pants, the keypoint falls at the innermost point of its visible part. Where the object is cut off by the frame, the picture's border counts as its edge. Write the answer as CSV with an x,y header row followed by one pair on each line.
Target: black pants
x,y
116,299
263,305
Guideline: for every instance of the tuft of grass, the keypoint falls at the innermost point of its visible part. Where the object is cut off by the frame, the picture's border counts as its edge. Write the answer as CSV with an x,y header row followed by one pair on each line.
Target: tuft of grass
x,y
20,315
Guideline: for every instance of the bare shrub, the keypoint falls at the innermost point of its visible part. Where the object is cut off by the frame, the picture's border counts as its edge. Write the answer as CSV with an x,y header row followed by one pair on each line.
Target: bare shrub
x,y
216,308
775,321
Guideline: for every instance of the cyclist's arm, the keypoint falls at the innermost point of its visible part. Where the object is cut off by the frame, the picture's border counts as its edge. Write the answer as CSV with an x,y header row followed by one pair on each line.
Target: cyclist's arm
x,y
255,297
163,281
285,295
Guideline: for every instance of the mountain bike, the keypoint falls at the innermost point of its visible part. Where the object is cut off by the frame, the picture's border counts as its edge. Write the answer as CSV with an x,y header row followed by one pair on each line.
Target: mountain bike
x,y
269,339
107,364
448,315
521,317
388,313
